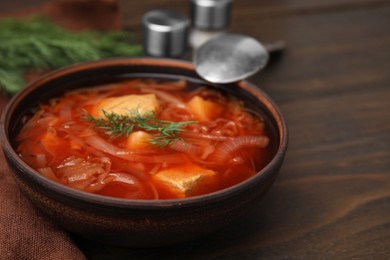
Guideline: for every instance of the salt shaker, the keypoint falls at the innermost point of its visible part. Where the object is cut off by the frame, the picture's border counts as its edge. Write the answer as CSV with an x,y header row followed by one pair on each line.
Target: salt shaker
x,y
165,33
210,19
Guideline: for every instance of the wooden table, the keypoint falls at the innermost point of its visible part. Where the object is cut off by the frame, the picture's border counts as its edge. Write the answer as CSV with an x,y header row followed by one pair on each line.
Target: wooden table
x,y
332,197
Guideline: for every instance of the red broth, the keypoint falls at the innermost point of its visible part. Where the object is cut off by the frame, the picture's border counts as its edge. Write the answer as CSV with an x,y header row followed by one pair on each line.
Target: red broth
x,y
222,143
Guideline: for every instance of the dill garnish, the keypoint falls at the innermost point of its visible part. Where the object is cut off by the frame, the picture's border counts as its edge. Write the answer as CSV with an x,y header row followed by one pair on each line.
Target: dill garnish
x,y
38,44
165,133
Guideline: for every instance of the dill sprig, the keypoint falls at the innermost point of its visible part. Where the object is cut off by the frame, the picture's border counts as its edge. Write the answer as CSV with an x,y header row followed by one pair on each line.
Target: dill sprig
x,y
165,133
38,44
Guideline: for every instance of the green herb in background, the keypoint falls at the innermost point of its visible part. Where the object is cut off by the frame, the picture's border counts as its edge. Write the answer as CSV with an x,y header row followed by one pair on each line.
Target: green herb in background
x,y
36,43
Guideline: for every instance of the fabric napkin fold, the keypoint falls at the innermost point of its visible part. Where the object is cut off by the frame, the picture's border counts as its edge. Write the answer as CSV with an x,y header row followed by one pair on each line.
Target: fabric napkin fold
x,y
24,232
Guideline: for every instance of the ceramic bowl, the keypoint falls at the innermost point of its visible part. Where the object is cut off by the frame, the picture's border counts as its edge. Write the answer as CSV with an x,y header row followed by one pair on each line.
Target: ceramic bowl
x,y
130,222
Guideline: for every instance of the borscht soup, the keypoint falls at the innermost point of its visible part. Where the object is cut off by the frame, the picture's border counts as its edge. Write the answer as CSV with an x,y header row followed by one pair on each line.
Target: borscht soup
x,y
147,139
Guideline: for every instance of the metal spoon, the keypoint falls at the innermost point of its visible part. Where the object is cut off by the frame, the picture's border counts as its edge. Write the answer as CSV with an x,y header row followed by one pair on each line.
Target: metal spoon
x,y
230,58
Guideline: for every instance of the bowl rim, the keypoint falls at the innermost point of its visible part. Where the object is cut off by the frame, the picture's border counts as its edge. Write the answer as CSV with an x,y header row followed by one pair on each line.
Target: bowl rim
x,y
85,197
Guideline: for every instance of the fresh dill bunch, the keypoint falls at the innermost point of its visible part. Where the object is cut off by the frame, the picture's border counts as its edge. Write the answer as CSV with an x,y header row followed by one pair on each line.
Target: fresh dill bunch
x,y
165,133
38,44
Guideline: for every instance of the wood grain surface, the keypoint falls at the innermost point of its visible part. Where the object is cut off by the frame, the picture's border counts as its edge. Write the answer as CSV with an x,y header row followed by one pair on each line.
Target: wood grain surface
x,y
332,197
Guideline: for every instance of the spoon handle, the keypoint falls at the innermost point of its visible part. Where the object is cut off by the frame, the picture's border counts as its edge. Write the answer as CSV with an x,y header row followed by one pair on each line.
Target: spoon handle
x,y
277,46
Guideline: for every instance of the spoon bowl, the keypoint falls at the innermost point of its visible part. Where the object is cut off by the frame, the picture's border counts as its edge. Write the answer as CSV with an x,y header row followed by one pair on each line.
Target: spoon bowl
x,y
230,58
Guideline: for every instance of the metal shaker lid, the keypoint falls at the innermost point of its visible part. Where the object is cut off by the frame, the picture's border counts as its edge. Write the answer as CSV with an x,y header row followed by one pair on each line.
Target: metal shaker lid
x,y
210,14
165,33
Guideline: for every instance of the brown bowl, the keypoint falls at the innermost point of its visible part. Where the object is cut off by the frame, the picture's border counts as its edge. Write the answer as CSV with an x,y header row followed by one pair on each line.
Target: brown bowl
x,y
130,222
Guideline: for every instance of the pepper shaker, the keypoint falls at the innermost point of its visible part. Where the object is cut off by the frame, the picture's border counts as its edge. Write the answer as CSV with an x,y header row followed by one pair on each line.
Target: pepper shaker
x,y
210,19
165,33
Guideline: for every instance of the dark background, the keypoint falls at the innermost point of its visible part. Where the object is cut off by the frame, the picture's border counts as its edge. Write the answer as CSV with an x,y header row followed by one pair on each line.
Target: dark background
x,y
332,197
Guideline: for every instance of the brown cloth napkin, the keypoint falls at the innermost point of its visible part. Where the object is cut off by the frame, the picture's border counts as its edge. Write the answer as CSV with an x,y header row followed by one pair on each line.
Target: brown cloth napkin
x,y
24,232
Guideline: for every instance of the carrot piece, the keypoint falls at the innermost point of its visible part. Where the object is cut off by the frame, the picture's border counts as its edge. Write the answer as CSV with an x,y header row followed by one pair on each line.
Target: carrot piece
x,y
51,142
74,145
204,110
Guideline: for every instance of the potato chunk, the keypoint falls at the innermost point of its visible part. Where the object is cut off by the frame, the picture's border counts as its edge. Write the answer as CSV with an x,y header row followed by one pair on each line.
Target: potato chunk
x,y
138,140
204,110
185,180
123,105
